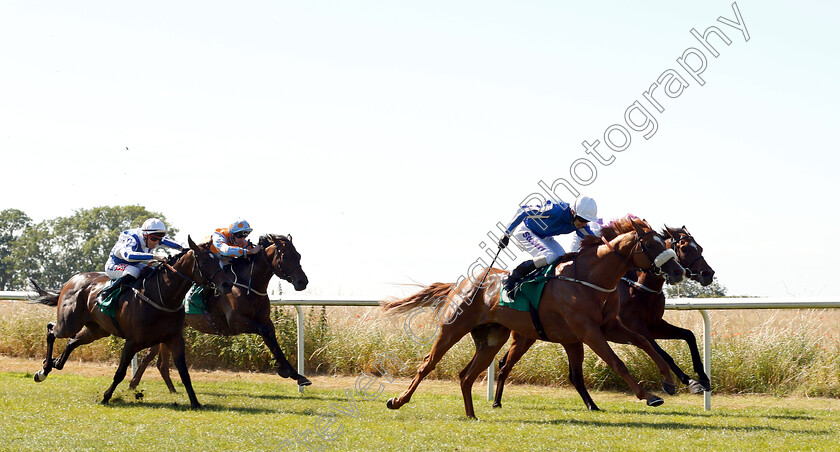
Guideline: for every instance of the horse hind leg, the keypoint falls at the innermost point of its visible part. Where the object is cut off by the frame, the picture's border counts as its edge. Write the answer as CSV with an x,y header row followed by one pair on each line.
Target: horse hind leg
x,y
89,333
520,345
449,335
163,367
488,339
42,374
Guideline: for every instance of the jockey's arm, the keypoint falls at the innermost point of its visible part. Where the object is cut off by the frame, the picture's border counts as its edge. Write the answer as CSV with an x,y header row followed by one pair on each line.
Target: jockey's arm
x,y
226,250
171,243
130,254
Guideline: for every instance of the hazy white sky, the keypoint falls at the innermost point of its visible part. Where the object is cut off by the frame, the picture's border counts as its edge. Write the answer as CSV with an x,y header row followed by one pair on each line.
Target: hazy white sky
x,y
388,139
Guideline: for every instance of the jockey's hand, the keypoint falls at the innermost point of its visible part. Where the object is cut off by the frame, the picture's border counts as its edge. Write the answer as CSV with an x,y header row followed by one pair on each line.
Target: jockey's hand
x,y
160,259
504,242
254,250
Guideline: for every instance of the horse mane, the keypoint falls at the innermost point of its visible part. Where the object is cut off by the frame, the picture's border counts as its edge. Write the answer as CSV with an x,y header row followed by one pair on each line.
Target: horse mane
x,y
612,230
267,240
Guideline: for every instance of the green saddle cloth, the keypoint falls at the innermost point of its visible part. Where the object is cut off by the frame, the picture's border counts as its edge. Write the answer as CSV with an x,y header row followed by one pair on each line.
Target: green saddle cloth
x,y
108,306
530,290
194,301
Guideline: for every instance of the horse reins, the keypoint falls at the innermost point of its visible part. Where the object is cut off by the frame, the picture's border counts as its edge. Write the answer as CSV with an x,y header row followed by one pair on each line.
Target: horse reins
x,y
160,293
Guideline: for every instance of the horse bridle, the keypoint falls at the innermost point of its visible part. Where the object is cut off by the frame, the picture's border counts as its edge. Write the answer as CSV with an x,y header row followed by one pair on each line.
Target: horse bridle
x,y
283,274
674,246
655,262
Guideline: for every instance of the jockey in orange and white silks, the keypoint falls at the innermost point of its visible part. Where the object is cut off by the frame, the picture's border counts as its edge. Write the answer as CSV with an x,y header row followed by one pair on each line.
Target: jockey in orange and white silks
x,y
534,228
231,242
133,250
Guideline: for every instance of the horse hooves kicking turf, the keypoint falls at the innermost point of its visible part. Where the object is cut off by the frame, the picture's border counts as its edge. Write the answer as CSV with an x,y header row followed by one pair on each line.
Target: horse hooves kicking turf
x,y
655,401
670,388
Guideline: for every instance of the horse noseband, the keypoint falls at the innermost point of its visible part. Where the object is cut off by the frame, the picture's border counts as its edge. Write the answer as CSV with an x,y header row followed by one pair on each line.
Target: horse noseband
x,y
664,257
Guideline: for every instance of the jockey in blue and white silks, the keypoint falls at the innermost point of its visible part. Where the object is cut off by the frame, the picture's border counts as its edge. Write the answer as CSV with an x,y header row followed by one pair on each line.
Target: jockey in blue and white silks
x,y
132,252
534,228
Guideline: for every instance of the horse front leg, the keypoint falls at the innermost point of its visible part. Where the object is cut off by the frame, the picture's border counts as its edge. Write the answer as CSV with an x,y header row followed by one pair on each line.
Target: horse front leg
x,y
664,330
269,336
575,354
178,349
129,350
615,331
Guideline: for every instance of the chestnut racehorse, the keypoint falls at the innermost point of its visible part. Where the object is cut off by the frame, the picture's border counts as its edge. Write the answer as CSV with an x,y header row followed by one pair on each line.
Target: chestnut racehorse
x,y
247,310
155,317
642,305
570,309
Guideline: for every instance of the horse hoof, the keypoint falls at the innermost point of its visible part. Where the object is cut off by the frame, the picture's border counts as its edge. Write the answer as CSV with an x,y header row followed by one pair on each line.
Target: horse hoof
x,y
303,381
390,404
40,376
670,388
695,387
654,401
497,404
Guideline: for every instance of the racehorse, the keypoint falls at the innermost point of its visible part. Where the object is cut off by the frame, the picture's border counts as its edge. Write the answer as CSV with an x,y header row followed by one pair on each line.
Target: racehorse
x,y
247,310
156,316
642,305
570,309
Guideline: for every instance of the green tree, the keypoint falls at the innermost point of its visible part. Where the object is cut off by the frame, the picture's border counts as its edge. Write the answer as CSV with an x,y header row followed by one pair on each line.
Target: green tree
x,y
12,224
54,250
692,289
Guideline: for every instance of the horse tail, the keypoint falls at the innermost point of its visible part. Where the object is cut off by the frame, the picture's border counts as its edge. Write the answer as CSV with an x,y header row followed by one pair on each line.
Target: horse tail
x,y
431,295
47,297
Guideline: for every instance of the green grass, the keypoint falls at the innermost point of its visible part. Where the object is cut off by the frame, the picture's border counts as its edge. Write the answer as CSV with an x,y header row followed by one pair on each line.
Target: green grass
x,y
63,413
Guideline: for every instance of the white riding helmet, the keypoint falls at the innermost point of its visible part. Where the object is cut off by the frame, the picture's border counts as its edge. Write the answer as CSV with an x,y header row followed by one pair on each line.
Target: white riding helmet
x,y
586,207
152,226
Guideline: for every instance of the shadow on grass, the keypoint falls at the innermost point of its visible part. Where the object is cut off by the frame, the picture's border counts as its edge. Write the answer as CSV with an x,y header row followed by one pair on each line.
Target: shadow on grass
x,y
210,407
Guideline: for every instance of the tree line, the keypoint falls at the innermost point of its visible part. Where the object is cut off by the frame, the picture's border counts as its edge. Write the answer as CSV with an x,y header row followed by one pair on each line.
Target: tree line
x,y
53,250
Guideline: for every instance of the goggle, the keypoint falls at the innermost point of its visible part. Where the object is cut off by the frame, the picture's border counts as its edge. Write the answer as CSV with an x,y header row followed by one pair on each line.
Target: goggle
x,y
581,219
157,237
241,234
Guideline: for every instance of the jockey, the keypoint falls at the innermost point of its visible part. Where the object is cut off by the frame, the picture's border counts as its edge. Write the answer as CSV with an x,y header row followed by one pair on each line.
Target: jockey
x,y
231,242
533,228
132,252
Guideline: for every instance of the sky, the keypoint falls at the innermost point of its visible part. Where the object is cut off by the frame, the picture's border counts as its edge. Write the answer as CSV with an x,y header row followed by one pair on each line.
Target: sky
x,y
389,138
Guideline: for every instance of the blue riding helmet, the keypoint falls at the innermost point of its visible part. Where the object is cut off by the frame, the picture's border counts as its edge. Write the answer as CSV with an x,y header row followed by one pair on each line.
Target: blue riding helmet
x,y
240,225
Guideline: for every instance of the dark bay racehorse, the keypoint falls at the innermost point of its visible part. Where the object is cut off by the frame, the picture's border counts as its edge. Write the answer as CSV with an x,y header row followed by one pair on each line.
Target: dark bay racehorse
x,y
247,310
642,306
143,321
570,309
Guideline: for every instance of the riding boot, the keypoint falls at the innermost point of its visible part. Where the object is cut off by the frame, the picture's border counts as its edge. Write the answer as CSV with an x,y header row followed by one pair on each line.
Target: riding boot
x,y
518,273
125,279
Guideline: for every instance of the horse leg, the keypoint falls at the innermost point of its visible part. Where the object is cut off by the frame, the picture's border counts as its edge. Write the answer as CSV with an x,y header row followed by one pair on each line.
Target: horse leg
x,y
129,350
142,365
615,331
449,335
520,345
595,339
488,339
177,347
91,332
267,332
41,375
575,354
664,330
163,368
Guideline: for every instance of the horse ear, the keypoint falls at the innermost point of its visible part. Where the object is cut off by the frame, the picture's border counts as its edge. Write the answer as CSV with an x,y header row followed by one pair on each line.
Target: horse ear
x,y
289,236
637,227
192,244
